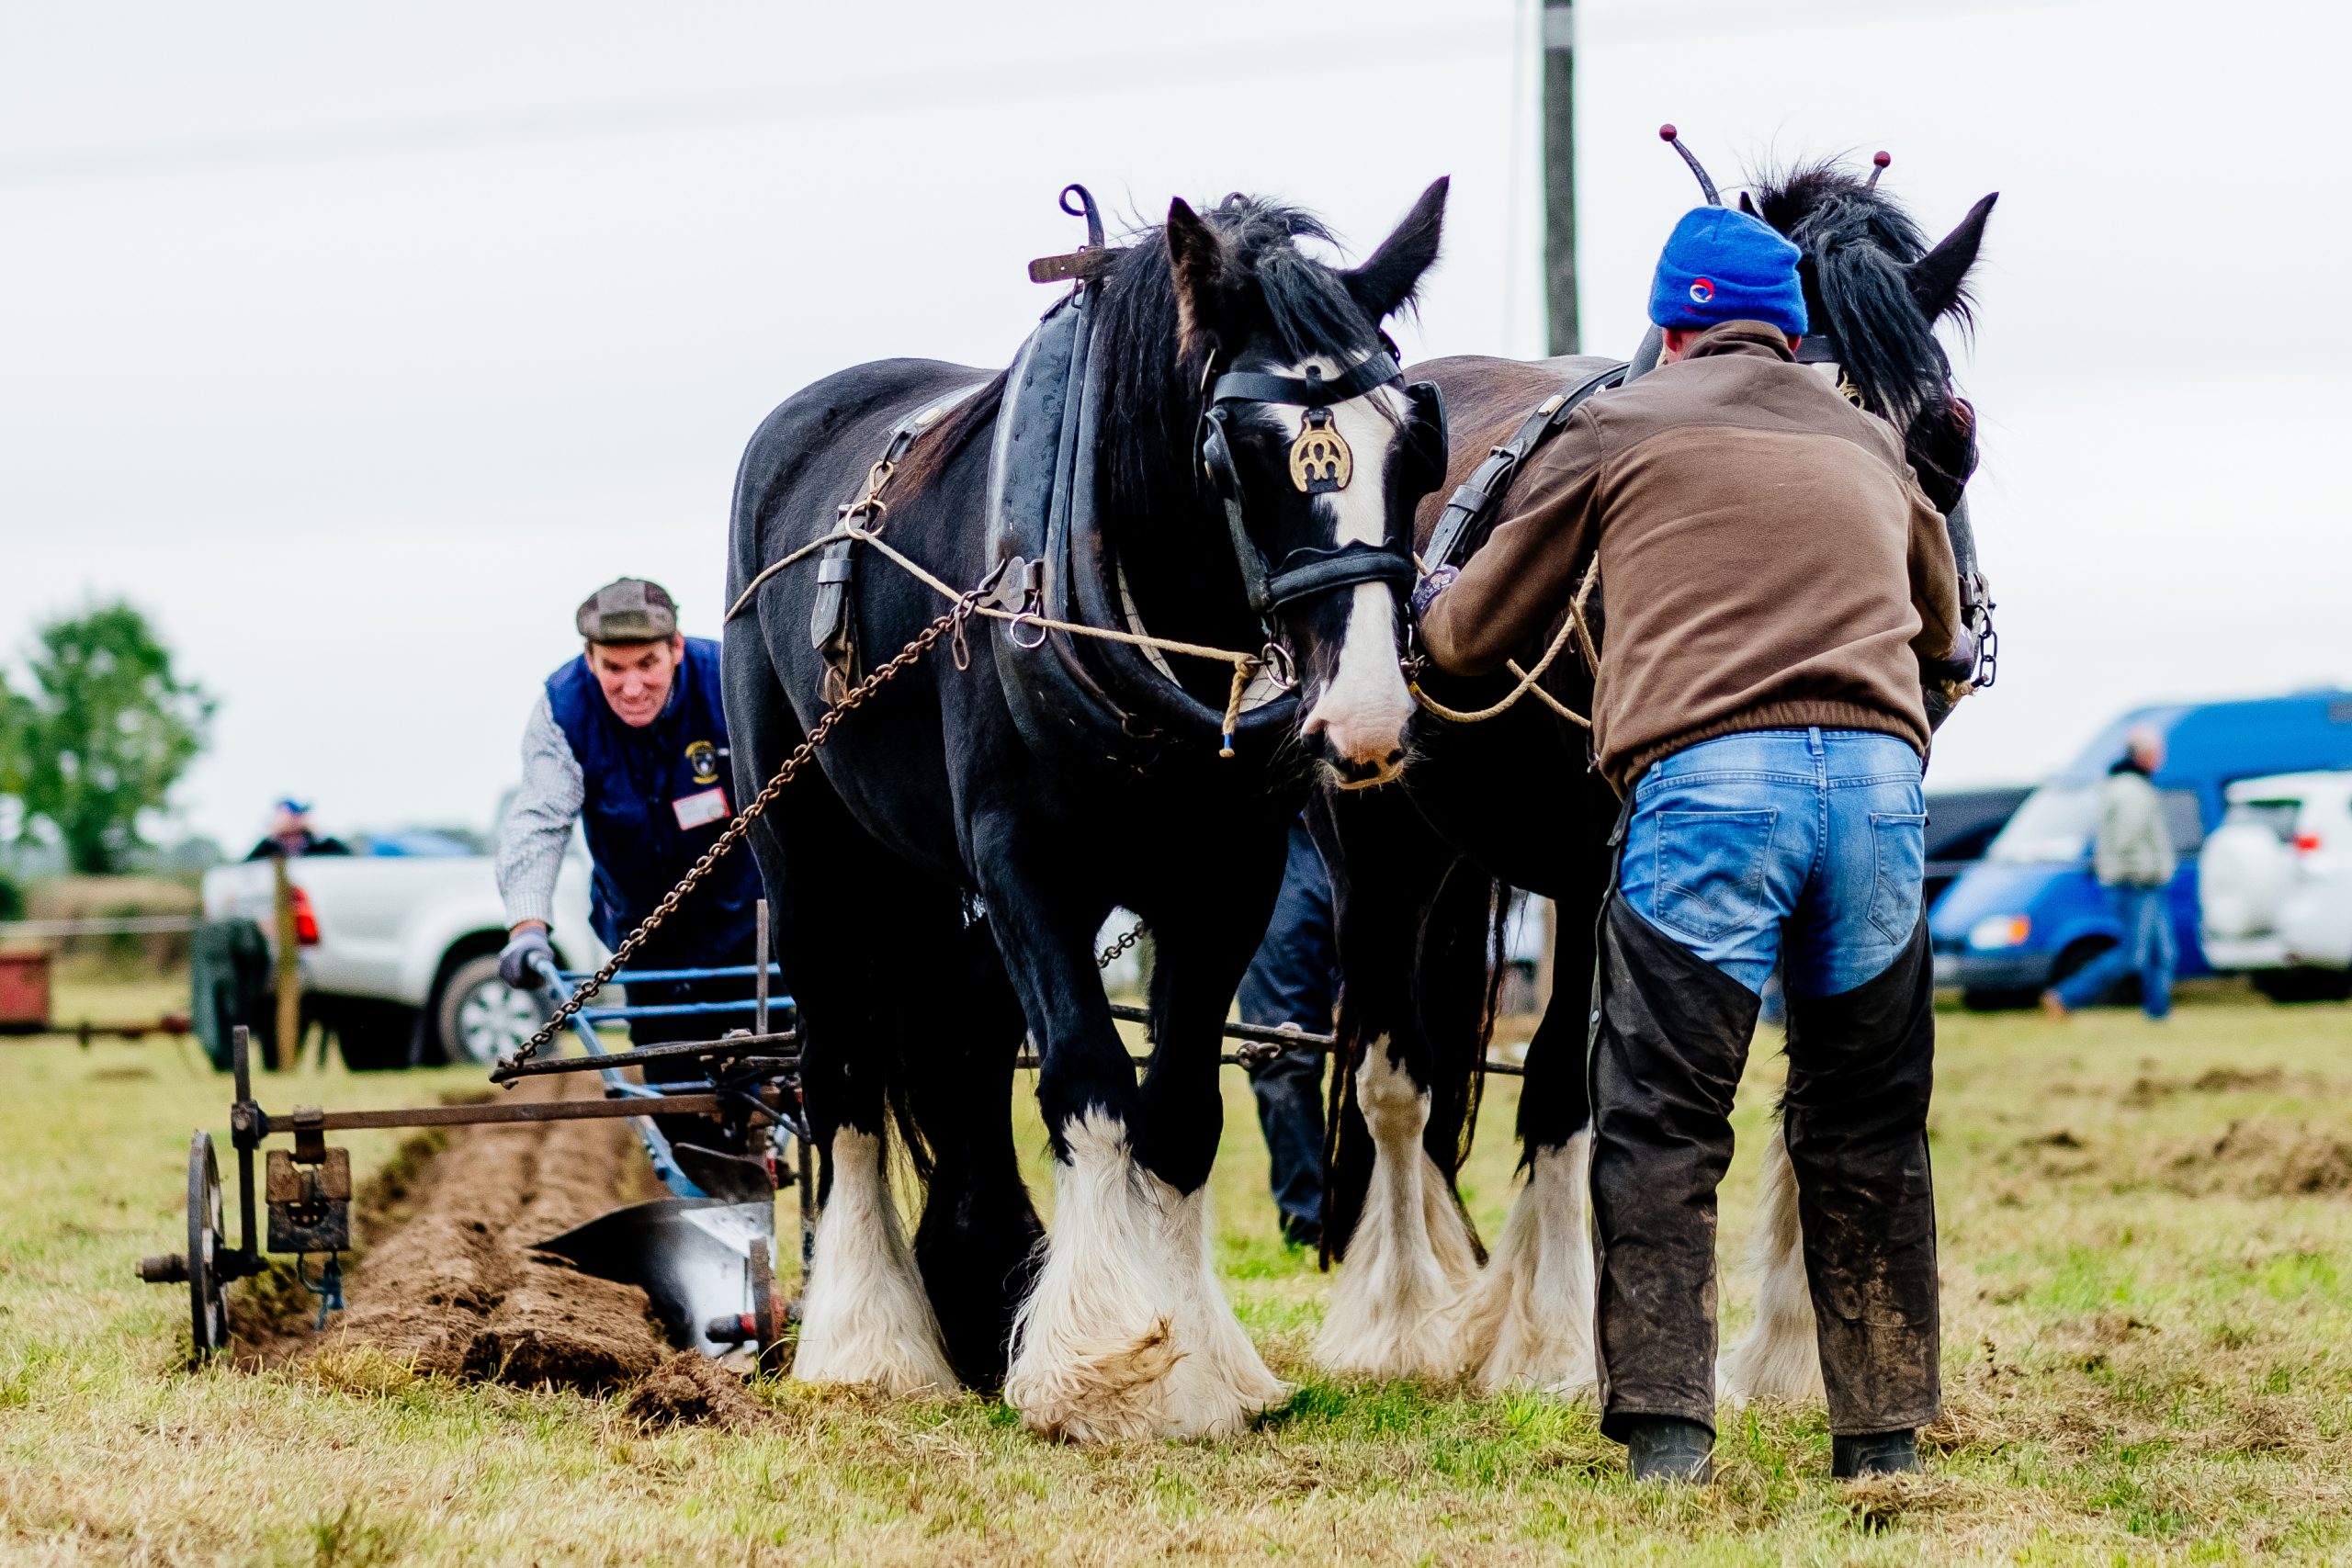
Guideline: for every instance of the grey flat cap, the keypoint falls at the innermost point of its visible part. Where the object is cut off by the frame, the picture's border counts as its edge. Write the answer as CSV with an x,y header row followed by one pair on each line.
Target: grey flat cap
x,y
630,609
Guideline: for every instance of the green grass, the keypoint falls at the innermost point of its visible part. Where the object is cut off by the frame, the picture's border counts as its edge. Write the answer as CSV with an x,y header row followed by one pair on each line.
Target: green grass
x,y
2148,1357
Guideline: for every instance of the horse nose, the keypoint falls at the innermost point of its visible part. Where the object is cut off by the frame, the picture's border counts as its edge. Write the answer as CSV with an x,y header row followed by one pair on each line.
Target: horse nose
x,y
1350,775
1361,748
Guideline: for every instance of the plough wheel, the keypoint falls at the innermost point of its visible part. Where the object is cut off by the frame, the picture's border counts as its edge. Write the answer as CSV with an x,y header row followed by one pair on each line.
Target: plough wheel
x,y
767,1312
207,1225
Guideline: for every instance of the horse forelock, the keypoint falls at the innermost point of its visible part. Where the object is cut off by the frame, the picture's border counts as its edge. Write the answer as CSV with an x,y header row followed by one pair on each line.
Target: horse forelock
x,y
1857,241
1299,306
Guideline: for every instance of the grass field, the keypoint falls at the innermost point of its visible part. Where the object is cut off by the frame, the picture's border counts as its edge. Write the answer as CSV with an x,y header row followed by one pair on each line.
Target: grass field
x,y
2147,1266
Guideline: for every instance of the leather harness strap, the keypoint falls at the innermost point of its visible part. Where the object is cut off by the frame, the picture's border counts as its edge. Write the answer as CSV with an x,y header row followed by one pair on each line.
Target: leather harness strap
x,y
1303,573
833,628
1480,493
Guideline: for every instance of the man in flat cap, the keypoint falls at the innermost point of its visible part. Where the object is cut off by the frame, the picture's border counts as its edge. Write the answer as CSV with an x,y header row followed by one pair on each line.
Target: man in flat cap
x,y
629,741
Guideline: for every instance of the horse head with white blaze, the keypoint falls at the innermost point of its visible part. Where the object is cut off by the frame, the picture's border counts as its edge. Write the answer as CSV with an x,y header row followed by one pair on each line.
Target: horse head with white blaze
x,y
1313,451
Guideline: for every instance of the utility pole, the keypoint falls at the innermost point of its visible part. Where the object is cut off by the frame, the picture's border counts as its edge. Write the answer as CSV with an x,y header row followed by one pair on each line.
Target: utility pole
x,y
1560,177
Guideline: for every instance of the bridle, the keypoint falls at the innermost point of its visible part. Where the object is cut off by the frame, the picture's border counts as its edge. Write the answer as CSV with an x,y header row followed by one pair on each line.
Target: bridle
x,y
1309,571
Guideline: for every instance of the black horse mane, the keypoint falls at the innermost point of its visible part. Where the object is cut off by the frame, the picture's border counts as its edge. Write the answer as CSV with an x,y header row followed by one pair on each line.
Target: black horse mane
x,y
1857,243
1154,380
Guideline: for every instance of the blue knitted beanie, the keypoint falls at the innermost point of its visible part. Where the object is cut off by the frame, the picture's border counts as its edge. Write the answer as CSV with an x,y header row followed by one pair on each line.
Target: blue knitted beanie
x,y
1720,265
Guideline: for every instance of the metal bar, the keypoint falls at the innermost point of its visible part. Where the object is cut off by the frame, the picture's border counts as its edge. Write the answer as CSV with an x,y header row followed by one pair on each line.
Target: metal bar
x,y
1027,1061
662,1010
732,1046
1258,1033
241,1054
657,1143
631,977
807,1162
492,1114
760,966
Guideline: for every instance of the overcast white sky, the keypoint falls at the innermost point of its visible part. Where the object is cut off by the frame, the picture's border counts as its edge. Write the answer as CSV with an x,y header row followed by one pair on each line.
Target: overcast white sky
x,y
357,345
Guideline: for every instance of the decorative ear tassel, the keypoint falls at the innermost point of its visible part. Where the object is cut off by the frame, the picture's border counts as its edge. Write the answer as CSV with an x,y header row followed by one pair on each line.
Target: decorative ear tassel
x,y
1879,161
1668,134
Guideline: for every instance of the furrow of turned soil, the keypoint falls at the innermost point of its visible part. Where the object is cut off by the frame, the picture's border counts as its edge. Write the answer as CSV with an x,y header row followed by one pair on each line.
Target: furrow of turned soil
x,y
447,1284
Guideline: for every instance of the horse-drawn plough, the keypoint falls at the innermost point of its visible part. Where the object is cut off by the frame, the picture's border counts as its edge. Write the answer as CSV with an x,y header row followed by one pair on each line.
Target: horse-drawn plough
x,y
704,1254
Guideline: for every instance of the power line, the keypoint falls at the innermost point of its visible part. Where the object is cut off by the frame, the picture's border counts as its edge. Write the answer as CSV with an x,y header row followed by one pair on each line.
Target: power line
x,y
777,102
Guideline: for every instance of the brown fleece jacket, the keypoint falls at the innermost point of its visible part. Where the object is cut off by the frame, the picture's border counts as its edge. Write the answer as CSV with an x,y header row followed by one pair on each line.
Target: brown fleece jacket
x,y
1768,557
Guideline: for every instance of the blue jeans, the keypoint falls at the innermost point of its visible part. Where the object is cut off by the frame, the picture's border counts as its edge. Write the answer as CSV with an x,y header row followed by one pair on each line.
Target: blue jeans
x,y
2147,947
1812,837
1294,980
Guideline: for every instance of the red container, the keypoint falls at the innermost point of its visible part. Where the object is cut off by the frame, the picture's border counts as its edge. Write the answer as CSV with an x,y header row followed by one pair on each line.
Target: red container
x,y
24,993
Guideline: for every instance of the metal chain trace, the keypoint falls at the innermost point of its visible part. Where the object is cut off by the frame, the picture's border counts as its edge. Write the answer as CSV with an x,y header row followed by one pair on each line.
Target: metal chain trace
x,y
1109,954
818,733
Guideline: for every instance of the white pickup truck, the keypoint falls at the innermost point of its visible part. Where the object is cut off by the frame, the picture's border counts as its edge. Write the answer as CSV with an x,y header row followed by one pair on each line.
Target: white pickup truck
x,y
399,954
2275,885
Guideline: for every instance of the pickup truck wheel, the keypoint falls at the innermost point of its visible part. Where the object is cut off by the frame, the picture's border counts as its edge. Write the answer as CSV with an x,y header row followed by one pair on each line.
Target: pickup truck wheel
x,y
2308,983
481,1019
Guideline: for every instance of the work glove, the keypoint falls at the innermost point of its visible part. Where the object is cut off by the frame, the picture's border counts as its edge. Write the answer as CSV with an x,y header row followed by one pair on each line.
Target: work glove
x,y
1425,591
514,965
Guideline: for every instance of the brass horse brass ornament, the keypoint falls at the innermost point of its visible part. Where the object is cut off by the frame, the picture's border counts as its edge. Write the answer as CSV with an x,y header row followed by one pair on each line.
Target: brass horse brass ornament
x,y
1319,459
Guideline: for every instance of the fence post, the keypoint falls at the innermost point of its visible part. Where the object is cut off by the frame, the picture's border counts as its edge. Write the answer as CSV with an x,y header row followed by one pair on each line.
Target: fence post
x,y
289,975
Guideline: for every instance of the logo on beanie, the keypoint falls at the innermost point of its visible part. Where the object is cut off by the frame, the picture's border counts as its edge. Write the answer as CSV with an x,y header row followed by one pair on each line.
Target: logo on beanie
x,y
1702,290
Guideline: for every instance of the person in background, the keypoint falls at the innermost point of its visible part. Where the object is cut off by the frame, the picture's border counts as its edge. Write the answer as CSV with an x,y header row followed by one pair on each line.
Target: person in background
x,y
290,835
2133,857
629,739
1292,982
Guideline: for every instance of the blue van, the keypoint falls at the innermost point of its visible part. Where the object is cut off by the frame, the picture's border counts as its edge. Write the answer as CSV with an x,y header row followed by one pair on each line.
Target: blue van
x,y
2030,913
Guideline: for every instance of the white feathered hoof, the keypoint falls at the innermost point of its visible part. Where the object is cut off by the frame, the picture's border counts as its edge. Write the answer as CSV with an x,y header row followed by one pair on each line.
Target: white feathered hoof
x,y
1127,1333
1395,1312
1780,1358
1529,1322
864,1319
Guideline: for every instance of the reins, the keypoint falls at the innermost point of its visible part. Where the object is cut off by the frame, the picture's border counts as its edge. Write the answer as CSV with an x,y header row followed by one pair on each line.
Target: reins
x,y
1572,625
962,606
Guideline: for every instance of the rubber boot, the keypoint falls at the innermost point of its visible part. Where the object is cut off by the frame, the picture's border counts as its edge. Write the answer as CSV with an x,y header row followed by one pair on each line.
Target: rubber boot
x,y
1873,1453
1667,1448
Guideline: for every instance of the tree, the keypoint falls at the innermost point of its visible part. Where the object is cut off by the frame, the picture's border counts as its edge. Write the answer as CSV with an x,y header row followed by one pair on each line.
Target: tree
x,y
106,731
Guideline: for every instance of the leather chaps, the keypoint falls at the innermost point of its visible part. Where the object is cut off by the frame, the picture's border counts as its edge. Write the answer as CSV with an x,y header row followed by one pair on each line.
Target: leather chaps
x,y
1670,1040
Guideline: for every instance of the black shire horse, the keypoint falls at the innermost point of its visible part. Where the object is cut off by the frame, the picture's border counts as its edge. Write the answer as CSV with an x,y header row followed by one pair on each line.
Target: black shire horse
x,y
939,883
1511,801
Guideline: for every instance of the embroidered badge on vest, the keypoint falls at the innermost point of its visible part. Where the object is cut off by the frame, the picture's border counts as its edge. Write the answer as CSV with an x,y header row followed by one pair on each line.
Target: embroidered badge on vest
x,y
703,758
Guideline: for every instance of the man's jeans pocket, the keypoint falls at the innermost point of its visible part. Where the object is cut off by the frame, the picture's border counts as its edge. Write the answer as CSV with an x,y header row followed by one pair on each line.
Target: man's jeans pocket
x,y
1899,841
1709,871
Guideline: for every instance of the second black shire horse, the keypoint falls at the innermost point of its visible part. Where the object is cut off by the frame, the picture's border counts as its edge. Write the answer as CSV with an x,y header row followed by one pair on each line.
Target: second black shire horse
x,y
940,883
1513,801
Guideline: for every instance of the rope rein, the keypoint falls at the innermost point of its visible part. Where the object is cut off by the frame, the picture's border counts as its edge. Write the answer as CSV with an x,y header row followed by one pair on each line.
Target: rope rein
x,y
1572,625
962,606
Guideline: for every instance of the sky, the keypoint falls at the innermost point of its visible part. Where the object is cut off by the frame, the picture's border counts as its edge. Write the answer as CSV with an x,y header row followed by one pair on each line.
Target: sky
x,y
357,345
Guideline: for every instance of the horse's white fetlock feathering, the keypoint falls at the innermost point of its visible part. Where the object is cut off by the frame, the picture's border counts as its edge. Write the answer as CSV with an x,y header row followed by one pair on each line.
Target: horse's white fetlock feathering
x,y
1780,1359
1127,1333
1529,1322
1395,1310
863,1316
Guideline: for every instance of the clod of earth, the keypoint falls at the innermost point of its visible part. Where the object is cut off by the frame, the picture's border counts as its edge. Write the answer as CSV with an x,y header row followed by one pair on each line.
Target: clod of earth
x,y
453,1289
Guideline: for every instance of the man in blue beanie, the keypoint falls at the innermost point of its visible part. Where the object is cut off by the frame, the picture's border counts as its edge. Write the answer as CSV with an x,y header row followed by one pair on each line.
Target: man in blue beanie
x,y
1779,590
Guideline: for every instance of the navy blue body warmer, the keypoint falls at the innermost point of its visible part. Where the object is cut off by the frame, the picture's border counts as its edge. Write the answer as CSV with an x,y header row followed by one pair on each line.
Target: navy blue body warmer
x,y
655,799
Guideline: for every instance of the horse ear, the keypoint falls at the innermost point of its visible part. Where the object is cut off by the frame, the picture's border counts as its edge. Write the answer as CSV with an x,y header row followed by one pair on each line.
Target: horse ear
x,y
1748,206
1205,277
1389,275
1939,280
